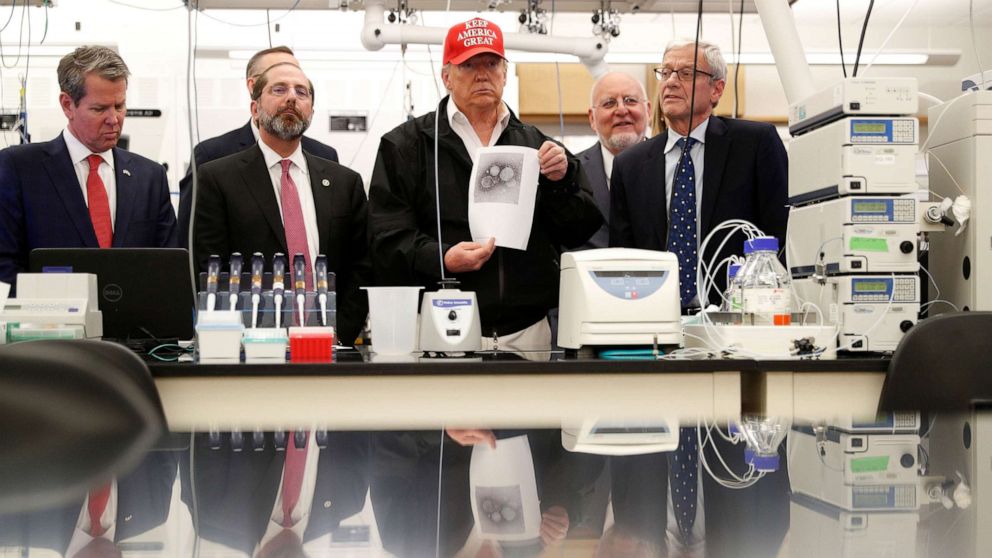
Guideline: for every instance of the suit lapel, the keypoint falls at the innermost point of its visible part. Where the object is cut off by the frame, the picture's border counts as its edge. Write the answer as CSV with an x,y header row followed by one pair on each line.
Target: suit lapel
x,y
714,161
256,177
66,184
596,170
125,195
656,194
322,185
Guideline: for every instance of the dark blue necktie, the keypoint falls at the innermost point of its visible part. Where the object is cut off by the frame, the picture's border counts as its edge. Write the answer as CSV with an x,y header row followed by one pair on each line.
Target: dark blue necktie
x,y
683,478
682,221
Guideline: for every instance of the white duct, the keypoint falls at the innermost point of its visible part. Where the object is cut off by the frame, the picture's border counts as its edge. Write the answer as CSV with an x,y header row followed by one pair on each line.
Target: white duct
x,y
787,49
377,34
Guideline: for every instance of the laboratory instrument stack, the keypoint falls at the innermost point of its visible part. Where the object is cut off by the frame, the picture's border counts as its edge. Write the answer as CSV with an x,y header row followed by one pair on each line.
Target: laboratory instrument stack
x,y
851,245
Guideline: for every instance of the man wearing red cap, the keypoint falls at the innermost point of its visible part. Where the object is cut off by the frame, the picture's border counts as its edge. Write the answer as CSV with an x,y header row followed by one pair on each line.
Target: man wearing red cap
x,y
515,288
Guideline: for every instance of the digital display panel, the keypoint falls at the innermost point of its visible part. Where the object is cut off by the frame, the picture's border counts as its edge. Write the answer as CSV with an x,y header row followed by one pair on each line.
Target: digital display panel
x,y
633,274
871,286
879,500
870,207
869,127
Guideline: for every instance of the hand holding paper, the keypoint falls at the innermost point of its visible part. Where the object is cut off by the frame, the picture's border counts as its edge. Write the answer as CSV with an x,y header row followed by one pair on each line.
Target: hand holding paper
x,y
468,256
553,162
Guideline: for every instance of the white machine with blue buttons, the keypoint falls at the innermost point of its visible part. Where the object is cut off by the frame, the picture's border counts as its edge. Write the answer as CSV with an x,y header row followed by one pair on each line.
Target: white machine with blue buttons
x,y
872,312
856,471
619,296
449,322
875,234
862,155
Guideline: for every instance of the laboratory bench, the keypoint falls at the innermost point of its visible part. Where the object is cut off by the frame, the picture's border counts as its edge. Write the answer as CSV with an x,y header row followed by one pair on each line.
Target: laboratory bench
x,y
507,389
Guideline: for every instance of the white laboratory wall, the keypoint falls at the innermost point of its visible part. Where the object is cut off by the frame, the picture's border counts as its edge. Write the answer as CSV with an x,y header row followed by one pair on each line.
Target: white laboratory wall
x,y
349,79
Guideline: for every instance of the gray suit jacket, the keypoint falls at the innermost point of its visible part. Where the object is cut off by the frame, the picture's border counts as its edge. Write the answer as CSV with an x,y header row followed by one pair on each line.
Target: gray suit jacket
x,y
592,163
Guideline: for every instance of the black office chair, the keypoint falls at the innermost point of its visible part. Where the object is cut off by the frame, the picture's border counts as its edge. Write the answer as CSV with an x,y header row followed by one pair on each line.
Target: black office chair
x,y
943,364
73,414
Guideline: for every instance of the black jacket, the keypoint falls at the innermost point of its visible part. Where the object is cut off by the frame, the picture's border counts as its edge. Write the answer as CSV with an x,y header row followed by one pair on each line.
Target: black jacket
x,y
515,288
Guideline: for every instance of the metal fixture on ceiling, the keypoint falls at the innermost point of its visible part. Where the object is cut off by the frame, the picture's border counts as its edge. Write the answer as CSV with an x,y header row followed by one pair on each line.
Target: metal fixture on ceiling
x,y
606,20
534,18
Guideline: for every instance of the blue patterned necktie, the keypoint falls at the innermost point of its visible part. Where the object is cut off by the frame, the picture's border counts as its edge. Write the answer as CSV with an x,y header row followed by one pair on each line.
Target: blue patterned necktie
x,y
682,221
683,479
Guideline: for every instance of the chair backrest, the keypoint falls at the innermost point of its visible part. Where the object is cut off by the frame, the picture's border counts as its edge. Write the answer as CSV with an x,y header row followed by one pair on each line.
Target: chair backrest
x,y
73,413
943,364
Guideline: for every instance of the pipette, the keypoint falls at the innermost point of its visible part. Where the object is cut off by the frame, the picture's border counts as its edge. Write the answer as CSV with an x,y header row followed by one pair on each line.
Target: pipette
x,y
257,267
213,273
300,287
321,268
278,283
234,279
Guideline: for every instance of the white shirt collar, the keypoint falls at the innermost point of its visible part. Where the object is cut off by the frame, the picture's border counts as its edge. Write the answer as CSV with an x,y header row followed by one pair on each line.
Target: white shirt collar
x,y
698,133
272,158
254,130
607,162
456,115
79,152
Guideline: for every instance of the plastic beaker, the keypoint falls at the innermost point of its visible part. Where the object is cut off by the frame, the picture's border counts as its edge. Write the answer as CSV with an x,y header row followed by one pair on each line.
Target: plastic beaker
x,y
393,319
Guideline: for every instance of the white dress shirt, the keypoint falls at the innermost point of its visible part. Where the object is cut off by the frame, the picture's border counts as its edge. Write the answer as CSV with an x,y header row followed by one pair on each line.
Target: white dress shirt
x,y
81,534
461,126
78,153
607,163
301,176
301,513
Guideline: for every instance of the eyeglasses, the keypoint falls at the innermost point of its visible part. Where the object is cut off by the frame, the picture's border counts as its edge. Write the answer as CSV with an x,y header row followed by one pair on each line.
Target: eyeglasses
x,y
612,103
685,74
280,90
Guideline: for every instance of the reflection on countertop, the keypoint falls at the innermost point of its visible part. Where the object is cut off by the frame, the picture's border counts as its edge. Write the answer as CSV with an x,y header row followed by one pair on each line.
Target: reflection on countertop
x,y
901,485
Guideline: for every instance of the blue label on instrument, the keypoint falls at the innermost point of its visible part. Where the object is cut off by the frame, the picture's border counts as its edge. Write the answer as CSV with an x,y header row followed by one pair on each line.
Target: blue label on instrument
x,y
451,302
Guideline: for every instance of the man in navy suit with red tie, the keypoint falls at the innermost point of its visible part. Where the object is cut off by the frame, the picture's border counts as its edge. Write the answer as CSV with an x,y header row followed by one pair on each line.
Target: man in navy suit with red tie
x,y
79,190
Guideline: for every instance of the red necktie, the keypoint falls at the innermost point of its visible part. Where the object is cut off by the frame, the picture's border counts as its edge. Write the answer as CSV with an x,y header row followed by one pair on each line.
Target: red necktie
x,y
95,507
292,477
292,221
96,193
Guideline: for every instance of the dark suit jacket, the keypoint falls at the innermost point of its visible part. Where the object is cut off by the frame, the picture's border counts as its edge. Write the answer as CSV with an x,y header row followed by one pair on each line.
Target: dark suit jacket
x,y
221,146
745,176
237,211
236,491
42,205
592,163
143,500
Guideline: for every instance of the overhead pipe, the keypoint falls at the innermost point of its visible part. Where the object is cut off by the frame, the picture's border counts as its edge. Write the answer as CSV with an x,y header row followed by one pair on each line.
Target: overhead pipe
x,y
377,33
787,49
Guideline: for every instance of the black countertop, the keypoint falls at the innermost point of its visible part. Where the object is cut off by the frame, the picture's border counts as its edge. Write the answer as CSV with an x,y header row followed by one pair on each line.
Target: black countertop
x,y
357,363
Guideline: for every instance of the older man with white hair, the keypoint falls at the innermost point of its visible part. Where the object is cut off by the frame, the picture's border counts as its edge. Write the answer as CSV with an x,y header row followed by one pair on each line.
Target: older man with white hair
x,y
618,113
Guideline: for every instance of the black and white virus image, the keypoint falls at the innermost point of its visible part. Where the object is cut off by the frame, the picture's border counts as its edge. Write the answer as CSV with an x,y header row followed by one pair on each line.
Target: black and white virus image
x,y
499,178
500,510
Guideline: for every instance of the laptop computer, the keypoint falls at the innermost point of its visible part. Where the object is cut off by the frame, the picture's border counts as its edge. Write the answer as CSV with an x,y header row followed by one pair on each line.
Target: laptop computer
x,y
144,293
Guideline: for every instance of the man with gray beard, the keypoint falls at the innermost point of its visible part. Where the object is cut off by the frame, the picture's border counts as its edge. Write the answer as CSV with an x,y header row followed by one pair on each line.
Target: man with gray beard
x,y
618,113
277,197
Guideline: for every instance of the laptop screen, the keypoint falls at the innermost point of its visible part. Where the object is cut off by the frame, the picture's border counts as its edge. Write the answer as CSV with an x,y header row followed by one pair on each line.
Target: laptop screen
x,y
144,293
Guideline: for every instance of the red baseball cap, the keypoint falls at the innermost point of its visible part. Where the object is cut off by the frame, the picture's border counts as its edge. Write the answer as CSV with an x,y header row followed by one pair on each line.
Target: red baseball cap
x,y
472,37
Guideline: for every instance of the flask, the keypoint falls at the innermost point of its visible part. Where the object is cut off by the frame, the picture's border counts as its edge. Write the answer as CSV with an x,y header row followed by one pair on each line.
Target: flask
x,y
763,435
766,287
732,296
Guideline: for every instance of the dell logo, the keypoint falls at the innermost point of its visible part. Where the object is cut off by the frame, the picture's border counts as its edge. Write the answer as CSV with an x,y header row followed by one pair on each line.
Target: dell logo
x,y
112,292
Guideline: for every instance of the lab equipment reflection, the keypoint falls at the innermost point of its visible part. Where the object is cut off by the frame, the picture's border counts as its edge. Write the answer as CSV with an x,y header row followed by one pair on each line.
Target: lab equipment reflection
x,y
497,492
